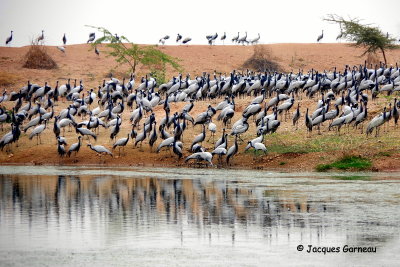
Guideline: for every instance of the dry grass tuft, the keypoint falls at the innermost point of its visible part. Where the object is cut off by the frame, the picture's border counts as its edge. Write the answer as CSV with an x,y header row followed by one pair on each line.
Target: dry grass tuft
x,y
8,79
38,58
262,60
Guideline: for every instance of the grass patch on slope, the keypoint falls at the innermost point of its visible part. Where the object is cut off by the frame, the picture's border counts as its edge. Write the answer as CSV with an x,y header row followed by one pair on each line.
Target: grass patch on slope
x,y
346,163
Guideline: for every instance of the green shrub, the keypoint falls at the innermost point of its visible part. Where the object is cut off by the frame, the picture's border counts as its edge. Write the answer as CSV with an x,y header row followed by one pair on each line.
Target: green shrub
x,y
346,163
323,167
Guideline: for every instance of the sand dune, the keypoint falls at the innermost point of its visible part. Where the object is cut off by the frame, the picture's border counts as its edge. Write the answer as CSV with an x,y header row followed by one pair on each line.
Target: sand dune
x,y
80,63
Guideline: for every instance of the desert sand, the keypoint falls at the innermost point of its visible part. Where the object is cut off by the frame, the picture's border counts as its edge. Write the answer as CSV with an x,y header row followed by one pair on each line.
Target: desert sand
x,y
79,62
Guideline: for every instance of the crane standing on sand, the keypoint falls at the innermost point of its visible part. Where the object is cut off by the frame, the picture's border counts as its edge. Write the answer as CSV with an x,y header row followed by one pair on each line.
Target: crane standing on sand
x,y
211,38
100,150
201,156
41,37
232,151
121,143
236,38
321,36
243,39
75,147
37,131
178,37
223,37
9,38
255,40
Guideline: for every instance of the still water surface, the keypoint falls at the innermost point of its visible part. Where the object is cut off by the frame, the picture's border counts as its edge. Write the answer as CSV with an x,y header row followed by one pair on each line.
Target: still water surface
x,y
75,216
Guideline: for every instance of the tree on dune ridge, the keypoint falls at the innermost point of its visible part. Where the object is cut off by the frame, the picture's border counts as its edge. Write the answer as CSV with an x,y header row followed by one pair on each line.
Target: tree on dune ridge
x,y
369,37
126,52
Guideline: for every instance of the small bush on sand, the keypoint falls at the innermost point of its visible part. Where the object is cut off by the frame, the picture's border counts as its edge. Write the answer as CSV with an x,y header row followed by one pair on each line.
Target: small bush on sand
x,y
38,58
262,60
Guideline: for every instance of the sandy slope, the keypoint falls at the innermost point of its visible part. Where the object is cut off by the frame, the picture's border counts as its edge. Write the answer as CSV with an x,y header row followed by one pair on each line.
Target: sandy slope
x,y
80,63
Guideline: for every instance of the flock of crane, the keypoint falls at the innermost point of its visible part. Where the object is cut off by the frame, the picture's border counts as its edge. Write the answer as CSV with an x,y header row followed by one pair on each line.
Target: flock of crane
x,y
179,39
211,39
341,100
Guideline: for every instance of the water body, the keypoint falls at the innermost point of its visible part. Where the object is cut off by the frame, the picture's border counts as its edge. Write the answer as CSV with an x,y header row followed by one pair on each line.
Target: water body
x,y
75,216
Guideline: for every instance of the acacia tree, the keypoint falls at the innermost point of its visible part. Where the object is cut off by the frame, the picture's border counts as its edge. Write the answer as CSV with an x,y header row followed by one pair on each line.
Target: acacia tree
x,y
126,52
371,38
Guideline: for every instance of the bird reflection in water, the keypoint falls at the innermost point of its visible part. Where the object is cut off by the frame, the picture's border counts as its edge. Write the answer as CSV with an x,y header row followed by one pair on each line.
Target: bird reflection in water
x,y
157,202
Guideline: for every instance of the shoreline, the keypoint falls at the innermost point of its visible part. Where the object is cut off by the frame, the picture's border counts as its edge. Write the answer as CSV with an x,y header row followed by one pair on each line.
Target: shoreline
x,y
255,166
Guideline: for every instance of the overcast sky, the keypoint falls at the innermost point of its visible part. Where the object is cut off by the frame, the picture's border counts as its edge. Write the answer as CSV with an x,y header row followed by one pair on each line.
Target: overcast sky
x,y
147,21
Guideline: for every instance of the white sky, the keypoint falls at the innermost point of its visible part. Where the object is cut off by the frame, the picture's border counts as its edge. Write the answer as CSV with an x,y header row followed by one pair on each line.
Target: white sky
x,y
146,21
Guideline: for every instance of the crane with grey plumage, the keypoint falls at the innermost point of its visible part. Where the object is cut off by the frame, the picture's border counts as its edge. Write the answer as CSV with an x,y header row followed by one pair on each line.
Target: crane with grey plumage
x,y
41,37
92,36
199,138
37,132
375,123
201,156
75,147
320,36
122,142
258,147
100,150
9,38
232,151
